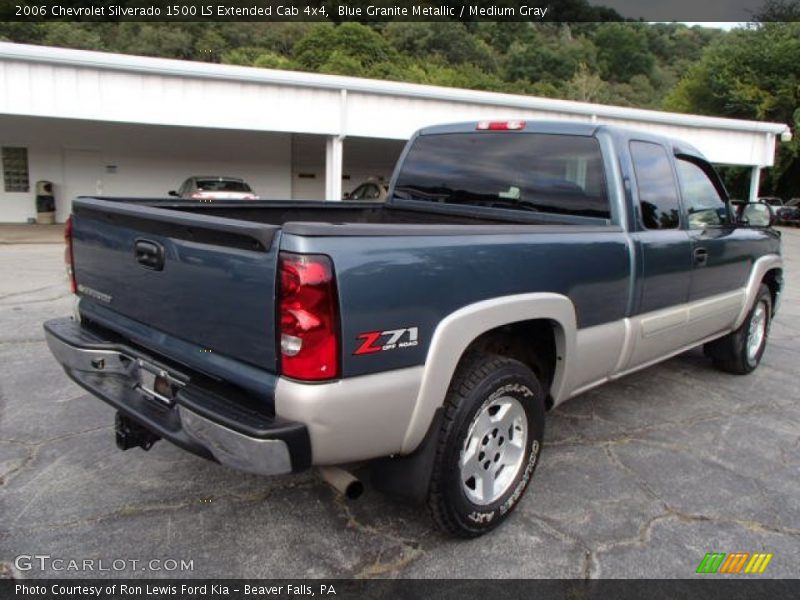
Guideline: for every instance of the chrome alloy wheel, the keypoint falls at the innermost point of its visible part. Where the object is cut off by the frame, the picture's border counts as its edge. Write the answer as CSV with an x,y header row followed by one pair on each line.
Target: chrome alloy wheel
x,y
757,331
494,450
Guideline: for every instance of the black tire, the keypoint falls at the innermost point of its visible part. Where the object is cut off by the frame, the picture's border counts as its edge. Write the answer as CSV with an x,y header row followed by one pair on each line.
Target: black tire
x,y
480,380
730,353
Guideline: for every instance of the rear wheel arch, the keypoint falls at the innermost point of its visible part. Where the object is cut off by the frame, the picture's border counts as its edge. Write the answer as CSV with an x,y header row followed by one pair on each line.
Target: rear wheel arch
x,y
531,342
482,325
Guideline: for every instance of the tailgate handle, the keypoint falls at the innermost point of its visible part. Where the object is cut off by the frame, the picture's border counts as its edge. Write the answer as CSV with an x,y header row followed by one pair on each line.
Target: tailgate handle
x,y
149,254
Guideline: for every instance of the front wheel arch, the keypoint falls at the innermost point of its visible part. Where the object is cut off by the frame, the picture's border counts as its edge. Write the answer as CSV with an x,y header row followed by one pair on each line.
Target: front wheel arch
x,y
733,353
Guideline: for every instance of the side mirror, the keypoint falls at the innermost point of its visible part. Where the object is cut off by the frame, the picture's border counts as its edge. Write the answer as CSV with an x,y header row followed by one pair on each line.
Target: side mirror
x,y
756,214
172,193
346,196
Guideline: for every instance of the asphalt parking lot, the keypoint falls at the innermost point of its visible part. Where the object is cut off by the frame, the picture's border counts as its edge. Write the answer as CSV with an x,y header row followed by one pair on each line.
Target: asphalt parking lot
x,y
639,478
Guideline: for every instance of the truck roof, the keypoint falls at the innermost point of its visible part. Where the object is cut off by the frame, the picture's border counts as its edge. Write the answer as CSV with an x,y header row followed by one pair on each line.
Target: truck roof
x,y
531,126
568,127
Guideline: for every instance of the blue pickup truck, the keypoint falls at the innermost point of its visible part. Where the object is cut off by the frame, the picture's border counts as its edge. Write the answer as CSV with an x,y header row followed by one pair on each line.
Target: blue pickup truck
x,y
514,265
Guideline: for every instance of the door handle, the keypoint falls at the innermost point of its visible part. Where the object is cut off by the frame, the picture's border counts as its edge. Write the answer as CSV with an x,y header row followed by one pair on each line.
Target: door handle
x,y
700,256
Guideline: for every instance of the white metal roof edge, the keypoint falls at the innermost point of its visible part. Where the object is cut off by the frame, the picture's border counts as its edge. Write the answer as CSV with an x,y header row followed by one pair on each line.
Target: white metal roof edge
x,y
181,68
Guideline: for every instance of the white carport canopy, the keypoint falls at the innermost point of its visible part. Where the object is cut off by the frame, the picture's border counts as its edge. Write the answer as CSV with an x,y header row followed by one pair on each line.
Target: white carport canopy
x,y
41,81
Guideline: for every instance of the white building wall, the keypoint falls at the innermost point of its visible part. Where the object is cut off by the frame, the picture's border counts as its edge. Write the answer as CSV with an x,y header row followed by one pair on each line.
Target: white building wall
x,y
147,98
133,97
364,158
88,158
159,121
44,162
308,167
54,82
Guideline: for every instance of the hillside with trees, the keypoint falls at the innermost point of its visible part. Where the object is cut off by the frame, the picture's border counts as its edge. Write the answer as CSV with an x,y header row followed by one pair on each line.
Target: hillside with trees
x,y
749,73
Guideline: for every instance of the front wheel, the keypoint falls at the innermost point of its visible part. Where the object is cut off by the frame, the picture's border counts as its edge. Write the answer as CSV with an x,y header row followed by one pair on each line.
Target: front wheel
x,y
740,352
488,445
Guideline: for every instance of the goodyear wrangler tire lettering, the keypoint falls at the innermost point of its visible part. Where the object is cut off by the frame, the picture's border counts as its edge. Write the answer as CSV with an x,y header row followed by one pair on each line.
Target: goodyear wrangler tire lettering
x,y
523,483
488,444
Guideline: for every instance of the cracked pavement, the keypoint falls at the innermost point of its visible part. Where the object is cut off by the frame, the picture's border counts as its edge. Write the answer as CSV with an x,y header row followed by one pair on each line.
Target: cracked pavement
x,y
639,478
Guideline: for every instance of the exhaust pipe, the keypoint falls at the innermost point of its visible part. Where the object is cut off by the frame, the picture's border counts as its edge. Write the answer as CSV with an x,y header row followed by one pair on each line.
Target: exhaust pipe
x,y
342,481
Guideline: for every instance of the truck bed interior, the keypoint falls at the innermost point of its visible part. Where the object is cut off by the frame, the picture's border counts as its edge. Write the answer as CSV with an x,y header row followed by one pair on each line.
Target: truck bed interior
x,y
279,213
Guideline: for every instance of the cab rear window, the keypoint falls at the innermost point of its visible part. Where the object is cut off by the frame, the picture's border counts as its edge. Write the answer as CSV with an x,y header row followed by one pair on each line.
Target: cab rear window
x,y
536,172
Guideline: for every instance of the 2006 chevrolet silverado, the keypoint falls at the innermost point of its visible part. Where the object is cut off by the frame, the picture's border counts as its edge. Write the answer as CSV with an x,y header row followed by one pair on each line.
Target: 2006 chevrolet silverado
x,y
514,265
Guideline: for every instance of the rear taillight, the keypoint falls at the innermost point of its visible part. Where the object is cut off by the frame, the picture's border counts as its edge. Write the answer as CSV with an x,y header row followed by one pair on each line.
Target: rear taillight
x,y
308,319
69,259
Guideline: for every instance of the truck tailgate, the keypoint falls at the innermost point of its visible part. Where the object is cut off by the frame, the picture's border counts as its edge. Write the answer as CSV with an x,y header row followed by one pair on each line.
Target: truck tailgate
x,y
206,280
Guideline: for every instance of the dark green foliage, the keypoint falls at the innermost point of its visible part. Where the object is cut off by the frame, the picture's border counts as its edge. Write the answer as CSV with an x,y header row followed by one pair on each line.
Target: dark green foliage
x,y
447,43
350,49
623,51
554,60
751,73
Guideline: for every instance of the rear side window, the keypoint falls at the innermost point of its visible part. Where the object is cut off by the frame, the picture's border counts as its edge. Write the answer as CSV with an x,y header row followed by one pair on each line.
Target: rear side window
x,y
534,172
658,197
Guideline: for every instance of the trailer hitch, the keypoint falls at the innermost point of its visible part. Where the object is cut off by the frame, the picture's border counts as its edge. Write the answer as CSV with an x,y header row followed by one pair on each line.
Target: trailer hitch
x,y
130,434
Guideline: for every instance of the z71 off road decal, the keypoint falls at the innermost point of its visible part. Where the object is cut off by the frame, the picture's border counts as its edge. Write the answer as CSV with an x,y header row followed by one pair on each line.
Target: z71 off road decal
x,y
391,339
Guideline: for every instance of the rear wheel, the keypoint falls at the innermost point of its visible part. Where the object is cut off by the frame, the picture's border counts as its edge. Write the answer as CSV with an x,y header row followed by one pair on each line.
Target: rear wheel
x,y
741,351
488,446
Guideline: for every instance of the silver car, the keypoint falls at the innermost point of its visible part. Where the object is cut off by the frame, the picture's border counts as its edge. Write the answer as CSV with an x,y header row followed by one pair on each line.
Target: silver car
x,y
215,188
371,189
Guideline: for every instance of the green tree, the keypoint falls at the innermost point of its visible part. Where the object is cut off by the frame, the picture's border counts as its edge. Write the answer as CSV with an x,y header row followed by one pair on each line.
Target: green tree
x,y
279,38
586,86
349,48
751,73
554,59
500,36
623,51
451,43
154,39
245,56
84,36
257,57
26,32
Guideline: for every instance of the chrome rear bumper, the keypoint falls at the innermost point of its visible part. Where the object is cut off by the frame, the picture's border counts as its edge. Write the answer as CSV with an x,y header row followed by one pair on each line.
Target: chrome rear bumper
x,y
199,420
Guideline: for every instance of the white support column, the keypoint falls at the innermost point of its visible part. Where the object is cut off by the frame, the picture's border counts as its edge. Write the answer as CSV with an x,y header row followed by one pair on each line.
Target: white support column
x,y
333,167
755,181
